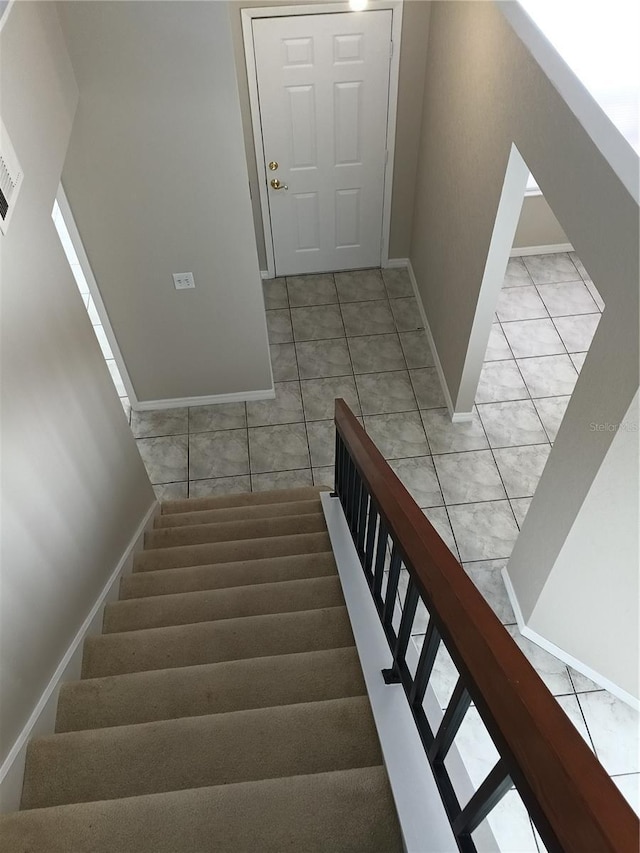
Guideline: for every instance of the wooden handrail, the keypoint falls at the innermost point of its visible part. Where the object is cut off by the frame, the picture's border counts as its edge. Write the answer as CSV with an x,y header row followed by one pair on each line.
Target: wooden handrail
x,y
575,805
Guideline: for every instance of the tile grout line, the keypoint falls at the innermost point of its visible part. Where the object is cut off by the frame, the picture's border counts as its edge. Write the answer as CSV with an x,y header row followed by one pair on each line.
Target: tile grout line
x,y
495,462
511,506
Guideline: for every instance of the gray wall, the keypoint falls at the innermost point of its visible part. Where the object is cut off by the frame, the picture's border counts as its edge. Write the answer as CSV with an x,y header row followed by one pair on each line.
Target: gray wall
x,y
483,92
413,63
415,28
157,181
73,487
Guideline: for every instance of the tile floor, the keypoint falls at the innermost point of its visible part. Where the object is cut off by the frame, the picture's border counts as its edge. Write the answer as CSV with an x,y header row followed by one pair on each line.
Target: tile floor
x,y
358,335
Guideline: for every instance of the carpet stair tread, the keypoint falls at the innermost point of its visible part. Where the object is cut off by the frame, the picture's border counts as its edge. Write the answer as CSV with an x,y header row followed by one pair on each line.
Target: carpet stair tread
x,y
216,688
226,552
231,603
240,513
235,531
194,752
222,575
213,642
303,493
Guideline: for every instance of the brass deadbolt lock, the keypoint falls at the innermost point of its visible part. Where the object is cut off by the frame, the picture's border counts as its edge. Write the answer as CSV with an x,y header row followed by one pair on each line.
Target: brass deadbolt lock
x,y
273,165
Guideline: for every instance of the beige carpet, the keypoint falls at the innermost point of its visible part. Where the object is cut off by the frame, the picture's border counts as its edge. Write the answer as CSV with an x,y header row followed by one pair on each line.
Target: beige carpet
x,y
223,707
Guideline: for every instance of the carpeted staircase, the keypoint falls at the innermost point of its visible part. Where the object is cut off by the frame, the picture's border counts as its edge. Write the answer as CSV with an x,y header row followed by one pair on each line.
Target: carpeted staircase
x,y
223,708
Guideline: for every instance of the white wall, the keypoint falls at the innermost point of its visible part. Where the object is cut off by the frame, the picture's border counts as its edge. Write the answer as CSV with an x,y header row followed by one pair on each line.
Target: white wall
x,y
485,91
74,489
157,181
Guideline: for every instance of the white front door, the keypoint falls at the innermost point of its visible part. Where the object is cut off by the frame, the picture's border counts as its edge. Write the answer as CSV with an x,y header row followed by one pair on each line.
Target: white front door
x,y
323,88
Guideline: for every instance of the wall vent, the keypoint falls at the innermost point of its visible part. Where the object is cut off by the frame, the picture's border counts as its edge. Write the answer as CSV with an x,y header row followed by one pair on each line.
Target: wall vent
x,y
11,176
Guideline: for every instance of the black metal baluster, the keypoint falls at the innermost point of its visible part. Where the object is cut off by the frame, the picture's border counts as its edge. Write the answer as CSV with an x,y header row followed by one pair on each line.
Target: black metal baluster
x,y
406,622
392,589
425,664
381,554
488,795
351,484
346,462
362,520
371,537
354,502
338,465
399,668
344,473
453,717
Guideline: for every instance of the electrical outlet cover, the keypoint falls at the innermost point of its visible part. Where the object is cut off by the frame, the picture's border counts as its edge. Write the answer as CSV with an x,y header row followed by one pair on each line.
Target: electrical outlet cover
x,y
183,280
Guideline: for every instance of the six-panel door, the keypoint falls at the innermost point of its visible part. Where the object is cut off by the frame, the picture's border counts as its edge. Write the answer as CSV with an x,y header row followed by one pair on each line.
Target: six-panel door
x,y
323,86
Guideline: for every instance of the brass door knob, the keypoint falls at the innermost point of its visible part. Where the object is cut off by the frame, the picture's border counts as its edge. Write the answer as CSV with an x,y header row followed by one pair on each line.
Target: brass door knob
x,y
275,183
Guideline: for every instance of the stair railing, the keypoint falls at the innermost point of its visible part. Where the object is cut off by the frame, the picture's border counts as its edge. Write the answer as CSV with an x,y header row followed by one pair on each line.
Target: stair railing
x,y
573,803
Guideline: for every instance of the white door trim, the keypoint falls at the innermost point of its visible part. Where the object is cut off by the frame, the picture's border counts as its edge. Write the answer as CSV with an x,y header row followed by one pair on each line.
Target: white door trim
x,y
394,74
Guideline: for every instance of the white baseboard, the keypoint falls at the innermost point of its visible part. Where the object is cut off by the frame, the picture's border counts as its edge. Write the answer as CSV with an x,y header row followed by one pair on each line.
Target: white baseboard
x,y
265,274
432,344
213,400
42,719
461,417
395,263
556,651
540,250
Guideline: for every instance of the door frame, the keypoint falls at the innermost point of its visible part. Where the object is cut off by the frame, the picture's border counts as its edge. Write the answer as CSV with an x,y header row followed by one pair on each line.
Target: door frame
x,y
248,15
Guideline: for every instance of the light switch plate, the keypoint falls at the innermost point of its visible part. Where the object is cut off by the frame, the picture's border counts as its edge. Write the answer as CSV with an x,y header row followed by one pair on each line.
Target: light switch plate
x,y
183,280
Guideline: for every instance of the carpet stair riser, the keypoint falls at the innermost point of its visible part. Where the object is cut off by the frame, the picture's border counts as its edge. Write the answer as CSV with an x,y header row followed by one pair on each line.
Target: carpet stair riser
x,y
304,493
240,513
213,642
211,605
223,575
235,531
228,552
172,755
193,691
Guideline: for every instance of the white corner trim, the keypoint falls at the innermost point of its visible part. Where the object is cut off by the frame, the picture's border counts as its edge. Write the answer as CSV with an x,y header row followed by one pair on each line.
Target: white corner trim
x,y
495,266
395,263
432,344
213,400
540,250
422,817
42,719
94,290
5,14
556,651
264,274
